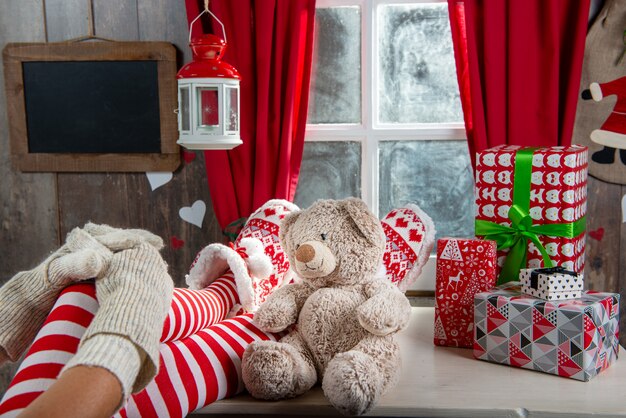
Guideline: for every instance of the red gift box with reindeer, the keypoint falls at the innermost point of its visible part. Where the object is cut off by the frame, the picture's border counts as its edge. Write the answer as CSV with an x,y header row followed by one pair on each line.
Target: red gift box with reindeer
x,y
465,267
532,202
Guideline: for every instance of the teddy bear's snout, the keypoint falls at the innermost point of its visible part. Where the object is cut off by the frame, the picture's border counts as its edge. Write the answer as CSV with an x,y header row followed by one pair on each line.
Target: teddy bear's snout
x,y
305,253
314,259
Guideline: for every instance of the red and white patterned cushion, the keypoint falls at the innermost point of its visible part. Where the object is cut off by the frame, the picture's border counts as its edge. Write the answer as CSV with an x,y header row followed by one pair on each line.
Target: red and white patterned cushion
x,y
263,225
256,258
195,370
410,236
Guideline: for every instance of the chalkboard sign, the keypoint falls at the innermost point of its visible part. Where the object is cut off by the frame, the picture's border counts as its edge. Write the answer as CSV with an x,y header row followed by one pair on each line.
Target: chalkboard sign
x,y
96,106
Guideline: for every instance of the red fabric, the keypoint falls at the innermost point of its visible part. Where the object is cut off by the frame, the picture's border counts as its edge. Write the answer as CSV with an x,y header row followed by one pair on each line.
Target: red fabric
x,y
270,44
519,64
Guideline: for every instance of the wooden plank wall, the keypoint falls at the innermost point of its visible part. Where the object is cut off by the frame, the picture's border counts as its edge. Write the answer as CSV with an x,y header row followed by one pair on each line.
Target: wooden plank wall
x,y
37,210
605,267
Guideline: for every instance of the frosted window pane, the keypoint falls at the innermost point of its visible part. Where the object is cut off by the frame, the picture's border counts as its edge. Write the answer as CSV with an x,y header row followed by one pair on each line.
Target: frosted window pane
x,y
436,175
329,170
417,75
335,95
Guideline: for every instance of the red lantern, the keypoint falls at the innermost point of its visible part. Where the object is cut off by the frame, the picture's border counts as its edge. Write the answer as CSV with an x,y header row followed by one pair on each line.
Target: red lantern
x,y
208,96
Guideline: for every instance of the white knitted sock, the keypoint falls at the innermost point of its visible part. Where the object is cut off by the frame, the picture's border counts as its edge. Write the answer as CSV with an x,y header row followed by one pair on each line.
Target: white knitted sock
x,y
27,298
115,353
134,293
121,239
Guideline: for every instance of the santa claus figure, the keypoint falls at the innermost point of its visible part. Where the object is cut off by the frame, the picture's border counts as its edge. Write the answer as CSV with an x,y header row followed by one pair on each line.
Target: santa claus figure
x,y
612,133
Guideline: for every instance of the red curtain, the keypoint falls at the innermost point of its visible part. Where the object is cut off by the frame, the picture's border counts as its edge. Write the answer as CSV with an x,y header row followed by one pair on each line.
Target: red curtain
x,y
519,64
270,42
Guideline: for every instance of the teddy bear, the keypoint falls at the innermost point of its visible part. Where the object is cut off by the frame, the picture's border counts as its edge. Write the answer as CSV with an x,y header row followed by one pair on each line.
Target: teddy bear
x,y
345,315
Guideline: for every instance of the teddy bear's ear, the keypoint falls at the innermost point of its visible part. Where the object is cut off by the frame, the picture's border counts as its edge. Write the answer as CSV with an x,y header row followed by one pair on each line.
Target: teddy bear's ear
x,y
286,225
365,220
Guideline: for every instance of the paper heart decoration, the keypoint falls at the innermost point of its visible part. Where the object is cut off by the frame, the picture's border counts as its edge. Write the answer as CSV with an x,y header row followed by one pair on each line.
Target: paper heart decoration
x,y
176,243
189,156
158,178
598,234
194,214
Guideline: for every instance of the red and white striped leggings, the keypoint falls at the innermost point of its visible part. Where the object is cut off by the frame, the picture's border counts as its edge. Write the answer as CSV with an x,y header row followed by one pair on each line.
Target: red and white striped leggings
x,y
200,351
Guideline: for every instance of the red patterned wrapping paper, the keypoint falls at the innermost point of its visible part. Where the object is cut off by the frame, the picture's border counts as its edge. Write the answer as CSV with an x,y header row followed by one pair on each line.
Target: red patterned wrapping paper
x,y
558,194
464,267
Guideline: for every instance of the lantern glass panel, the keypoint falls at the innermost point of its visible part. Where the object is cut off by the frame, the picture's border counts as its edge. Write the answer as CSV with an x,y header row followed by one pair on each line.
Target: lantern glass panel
x,y
231,121
185,120
208,108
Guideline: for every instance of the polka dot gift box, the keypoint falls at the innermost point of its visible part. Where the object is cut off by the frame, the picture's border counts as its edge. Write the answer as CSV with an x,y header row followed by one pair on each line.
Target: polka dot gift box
x,y
554,283
532,202
464,267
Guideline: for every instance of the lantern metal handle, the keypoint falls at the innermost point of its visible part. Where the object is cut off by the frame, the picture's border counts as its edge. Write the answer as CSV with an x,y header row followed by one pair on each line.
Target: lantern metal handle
x,y
206,10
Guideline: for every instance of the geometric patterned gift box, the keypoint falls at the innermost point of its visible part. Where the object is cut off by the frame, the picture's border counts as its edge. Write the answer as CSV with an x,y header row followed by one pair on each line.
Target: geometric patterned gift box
x,y
554,283
572,338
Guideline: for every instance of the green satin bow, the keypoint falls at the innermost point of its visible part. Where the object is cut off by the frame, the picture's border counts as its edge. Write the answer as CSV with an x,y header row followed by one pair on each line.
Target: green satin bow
x,y
522,229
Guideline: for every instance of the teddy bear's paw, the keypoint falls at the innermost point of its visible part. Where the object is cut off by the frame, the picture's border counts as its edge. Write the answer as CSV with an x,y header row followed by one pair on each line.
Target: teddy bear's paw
x,y
351,384
379,318
276,315
273,370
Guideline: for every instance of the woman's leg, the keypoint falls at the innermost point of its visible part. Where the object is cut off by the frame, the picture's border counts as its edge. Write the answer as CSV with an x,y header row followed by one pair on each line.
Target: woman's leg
x,y
208,362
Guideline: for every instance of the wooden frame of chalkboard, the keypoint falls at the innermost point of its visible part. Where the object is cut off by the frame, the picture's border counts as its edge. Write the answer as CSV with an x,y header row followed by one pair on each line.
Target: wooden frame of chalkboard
x,y
48,146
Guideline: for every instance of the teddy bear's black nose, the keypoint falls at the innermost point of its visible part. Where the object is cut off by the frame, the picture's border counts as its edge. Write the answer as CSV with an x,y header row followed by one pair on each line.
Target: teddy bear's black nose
x,y
305,253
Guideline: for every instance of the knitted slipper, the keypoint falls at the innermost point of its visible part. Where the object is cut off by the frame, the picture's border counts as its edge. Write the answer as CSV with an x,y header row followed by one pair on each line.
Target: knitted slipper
x,y
410,236
256,258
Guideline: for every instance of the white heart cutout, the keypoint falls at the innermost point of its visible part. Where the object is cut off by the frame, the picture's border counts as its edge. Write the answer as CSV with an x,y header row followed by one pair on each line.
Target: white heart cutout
x,y
624,208
158,178
194,214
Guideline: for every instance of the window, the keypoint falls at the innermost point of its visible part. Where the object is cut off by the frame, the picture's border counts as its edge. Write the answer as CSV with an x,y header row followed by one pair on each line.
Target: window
x,y
385,120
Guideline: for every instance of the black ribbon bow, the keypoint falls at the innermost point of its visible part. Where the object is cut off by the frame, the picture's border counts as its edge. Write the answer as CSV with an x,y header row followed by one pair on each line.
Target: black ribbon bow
x,y
534,275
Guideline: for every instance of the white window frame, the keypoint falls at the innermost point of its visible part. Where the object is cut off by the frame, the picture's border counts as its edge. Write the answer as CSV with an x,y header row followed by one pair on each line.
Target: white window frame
x,y
369,133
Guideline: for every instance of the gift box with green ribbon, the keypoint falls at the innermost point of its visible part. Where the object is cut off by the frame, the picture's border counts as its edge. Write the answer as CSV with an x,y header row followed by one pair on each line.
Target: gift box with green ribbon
x,y
532,202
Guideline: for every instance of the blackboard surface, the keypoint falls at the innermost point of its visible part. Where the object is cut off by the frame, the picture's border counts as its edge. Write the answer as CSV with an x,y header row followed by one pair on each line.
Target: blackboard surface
x,y
92,106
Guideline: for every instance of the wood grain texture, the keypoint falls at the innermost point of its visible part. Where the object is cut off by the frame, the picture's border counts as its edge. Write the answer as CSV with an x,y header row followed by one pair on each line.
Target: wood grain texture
x,y
110,16
167,22
28,209
61,19
602,257
44,162
605,262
